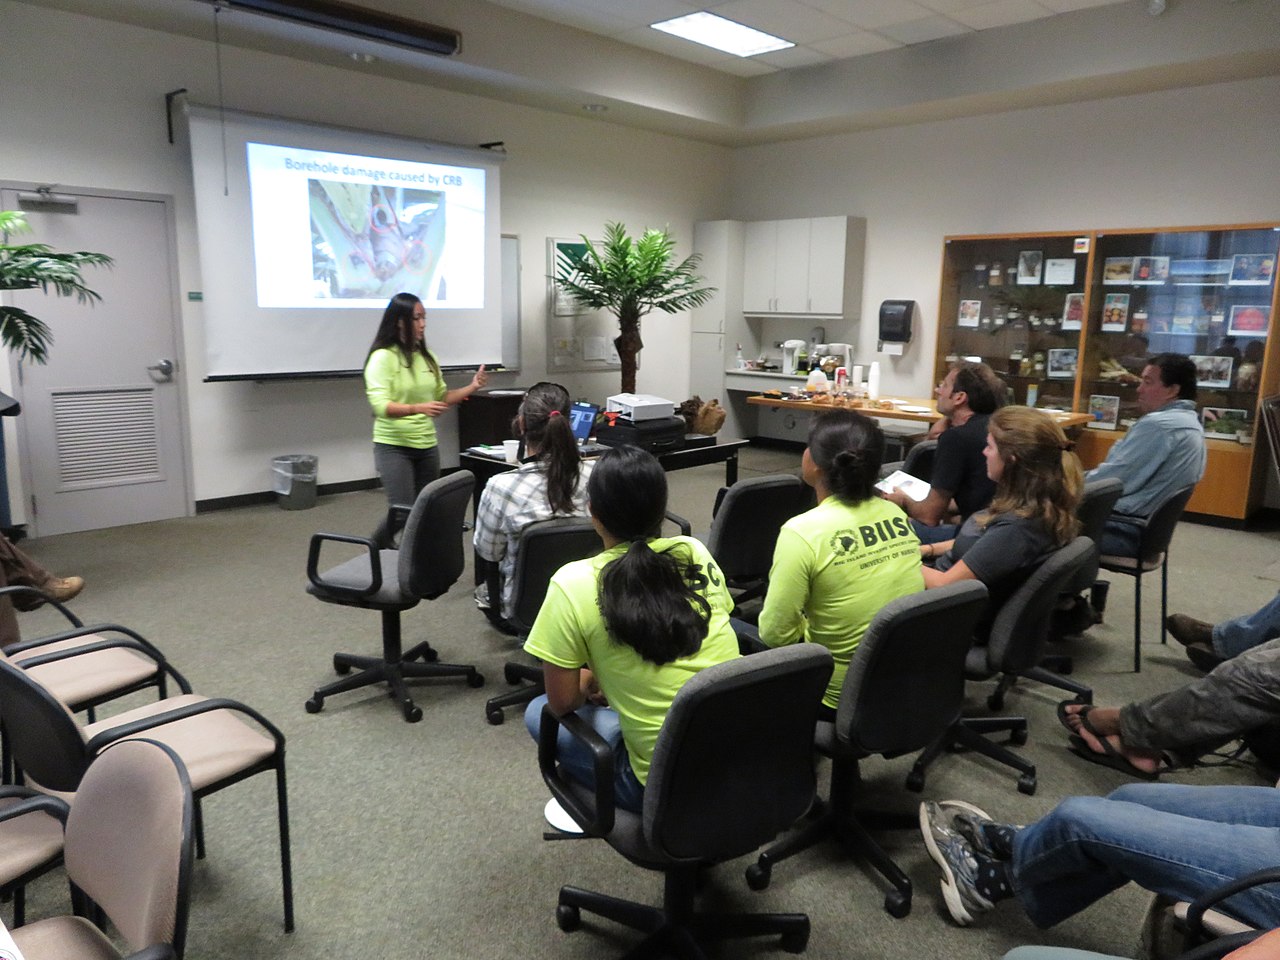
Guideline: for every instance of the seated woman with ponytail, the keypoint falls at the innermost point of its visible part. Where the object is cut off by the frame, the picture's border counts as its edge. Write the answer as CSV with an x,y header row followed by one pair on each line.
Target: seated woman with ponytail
x,y
1038,484
550,482
628,627
836,565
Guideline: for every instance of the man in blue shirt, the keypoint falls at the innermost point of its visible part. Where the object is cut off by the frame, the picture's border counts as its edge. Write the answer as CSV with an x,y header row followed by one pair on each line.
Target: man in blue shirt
x,y
1163,452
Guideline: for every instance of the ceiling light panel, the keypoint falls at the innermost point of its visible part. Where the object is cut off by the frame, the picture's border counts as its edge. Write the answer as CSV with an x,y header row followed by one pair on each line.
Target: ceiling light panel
x,y
713,31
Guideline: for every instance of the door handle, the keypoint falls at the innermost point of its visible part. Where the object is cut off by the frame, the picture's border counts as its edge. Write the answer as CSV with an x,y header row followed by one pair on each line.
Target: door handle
x,y
164,368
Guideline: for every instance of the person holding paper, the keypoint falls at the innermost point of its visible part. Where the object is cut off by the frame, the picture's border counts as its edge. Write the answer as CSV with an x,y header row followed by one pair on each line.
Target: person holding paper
x,y
406,390
836,565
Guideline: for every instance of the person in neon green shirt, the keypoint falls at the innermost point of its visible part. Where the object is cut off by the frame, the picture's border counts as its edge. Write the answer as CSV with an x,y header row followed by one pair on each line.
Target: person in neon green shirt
x,y
836,565
406,390
619,634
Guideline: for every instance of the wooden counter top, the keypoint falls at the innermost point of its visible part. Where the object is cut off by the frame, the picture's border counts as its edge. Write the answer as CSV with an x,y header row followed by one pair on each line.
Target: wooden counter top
x,y
1066,420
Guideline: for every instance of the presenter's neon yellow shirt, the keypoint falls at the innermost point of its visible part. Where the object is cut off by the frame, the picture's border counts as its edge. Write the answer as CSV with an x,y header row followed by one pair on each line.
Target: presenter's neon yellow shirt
x,y
388,380
833,569
570,633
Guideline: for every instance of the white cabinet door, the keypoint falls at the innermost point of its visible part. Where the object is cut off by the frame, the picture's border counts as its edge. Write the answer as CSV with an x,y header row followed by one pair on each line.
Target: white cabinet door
x,y
791,272
706,365
826,264
758,267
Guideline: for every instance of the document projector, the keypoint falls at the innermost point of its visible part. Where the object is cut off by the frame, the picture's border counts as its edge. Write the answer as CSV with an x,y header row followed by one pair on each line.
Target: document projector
x,y
639,406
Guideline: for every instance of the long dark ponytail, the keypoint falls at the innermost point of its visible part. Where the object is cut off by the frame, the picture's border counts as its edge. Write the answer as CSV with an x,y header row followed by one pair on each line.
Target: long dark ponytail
x,y
847,447
650,601
544,414
395,332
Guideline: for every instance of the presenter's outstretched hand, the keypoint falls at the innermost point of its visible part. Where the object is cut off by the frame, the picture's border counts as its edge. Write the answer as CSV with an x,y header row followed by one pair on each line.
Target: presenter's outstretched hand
x,y
480,379
434,408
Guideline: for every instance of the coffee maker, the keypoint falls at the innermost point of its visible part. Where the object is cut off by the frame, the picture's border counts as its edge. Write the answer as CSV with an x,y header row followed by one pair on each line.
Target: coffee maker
x,y
791,355
844,351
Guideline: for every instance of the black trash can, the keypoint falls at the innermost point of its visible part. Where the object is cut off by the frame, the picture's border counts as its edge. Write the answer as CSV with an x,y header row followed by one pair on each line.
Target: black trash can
x,y
294,480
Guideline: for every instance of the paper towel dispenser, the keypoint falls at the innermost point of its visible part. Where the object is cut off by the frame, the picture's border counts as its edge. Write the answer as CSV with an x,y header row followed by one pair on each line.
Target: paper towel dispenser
x,y
895,320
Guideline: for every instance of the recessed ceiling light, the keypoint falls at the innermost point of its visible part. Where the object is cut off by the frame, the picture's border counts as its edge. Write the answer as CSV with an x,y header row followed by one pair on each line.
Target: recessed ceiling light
x,y
594,107
713,31
362,57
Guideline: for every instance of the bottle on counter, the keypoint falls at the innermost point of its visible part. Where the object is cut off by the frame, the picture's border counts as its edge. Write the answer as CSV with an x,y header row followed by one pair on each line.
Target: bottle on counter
x,y
739,361
873,381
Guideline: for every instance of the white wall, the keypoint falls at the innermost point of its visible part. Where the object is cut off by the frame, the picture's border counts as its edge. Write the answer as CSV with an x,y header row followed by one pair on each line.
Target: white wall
x,y
91,114
1203,155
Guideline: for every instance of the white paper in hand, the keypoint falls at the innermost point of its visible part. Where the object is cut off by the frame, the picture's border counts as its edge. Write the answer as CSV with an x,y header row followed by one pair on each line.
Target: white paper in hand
x,y
913,487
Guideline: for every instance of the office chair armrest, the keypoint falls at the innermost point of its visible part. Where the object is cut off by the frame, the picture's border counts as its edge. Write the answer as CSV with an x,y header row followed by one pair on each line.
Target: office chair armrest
x,y
82,630
594,823
157,951
1129,520
104,738
1196,909
17,589
686,528
313,565
109,643
32,802
1219,947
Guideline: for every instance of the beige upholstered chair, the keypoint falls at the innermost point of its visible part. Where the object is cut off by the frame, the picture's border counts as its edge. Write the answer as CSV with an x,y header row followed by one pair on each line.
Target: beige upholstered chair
x,y
30,841
128,850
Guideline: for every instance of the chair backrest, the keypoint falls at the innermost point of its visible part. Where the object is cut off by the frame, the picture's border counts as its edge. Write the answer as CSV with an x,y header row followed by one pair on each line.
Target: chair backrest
x,y
919,462
1020,631
733,763
431,546
905,684
543,548
1096,503
745,529
44,738
1160,525
129,838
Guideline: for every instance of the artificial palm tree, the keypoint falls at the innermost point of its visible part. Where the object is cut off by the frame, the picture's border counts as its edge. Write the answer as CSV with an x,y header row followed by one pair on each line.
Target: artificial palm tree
x,y
31,265
629,277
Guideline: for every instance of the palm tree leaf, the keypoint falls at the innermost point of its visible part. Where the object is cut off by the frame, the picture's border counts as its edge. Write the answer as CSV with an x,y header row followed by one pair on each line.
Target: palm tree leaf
x,y
26,334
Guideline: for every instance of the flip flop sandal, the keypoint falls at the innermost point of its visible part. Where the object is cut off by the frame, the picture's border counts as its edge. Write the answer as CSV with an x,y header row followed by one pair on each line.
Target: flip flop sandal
x,y
1110,757
1080,716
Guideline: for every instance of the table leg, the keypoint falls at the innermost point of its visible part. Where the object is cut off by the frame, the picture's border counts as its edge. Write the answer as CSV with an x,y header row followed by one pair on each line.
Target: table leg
x,y
731,470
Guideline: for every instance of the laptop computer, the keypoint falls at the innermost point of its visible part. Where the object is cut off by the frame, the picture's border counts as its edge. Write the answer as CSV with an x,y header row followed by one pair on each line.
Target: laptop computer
x,y
582,418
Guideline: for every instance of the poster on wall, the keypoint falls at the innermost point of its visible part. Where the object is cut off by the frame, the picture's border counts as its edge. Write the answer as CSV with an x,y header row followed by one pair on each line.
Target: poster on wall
x,y
1030,267
1115,313
1248,320
1073,312
1117,270
1060,272
969,312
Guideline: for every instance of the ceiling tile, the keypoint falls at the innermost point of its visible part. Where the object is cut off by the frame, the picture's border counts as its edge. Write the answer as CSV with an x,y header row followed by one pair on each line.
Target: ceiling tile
x,y
872,14
790,21
674,46
1066,6
922,31
855,44
1001,13
793,57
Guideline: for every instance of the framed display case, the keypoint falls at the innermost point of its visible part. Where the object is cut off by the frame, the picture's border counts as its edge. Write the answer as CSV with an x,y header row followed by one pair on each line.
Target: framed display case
x,y
1077,337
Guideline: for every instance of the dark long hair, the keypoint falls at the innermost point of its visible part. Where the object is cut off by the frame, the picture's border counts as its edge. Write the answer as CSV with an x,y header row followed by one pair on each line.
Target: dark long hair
x,y
544,416
650,601
847,447
395,332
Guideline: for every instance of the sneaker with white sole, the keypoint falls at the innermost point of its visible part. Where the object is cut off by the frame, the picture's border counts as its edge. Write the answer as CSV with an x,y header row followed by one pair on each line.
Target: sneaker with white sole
x,y
955,857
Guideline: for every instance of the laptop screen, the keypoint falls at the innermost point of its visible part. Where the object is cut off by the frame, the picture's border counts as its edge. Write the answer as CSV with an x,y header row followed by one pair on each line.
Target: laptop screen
x,y
582,417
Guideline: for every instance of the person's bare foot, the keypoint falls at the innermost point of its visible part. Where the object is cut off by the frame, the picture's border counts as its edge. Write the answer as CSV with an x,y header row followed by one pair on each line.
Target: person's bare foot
x,y
1104,720
1139,759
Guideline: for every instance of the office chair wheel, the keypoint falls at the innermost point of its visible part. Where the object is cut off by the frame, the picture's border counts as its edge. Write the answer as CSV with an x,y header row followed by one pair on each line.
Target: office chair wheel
x,y
915,781
510,675
568,918
412,712
475,679
795,942
430,655
1018,736
495,716
759,875
1027,784
995,701
314,705
897,904
341,669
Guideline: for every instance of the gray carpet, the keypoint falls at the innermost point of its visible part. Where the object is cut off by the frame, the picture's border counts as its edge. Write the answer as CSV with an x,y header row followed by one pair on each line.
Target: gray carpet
x,y
425,840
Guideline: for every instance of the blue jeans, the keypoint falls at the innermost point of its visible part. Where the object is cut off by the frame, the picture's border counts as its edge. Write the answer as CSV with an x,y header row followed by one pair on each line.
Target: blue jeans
x,y
576,761
1120,539
1234,637
938,534
1171,839
404,472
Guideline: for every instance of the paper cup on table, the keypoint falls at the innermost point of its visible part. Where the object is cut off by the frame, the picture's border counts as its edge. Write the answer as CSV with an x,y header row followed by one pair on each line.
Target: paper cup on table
x,y
511,451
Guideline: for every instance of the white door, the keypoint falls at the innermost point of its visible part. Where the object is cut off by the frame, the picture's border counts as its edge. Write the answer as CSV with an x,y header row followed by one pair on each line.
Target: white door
x,y
100,434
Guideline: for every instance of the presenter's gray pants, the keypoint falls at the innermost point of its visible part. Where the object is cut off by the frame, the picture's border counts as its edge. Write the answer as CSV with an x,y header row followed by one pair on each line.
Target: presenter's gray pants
x,y
404,472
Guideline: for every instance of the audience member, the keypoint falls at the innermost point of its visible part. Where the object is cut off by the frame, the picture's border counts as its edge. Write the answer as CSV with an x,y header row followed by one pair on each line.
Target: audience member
x,y
406,390
1208,644
620,634
836,565
550,482
1038,484
1161,453
19,570
1240,698
1175,840
967,395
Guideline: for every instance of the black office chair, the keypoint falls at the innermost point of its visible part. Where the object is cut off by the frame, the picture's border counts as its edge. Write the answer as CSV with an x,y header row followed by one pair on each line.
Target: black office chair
x,y
731,769
429,561
543,548
1014,648
904,688
744,529
1097,501
1155,534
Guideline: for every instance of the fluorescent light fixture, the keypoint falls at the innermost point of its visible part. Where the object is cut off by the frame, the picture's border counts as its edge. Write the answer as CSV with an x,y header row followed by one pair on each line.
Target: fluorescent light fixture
x,y
713,31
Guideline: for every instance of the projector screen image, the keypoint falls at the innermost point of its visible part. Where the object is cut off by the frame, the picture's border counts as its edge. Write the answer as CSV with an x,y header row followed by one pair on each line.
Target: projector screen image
x,y
365,229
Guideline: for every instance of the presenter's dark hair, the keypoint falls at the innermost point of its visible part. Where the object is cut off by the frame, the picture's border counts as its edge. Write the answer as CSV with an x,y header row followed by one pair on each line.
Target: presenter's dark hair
x,y
650,601
1176,370
847,447
543,421
395,332
985,390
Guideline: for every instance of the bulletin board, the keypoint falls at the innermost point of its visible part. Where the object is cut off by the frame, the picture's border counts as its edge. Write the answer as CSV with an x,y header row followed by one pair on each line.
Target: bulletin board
x,y
577,339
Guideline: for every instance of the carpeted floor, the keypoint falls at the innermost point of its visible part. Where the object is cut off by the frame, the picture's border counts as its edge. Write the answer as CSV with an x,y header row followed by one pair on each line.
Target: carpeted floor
x,y
425,840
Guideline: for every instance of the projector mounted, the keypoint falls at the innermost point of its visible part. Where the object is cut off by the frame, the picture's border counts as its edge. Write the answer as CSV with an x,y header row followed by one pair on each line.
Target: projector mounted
x,y
356,22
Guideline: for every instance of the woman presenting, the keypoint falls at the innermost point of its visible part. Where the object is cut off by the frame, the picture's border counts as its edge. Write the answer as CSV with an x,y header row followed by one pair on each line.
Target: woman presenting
x,y
407,392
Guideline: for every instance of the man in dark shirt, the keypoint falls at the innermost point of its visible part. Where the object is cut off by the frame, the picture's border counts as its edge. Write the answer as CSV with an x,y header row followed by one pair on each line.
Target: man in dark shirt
x,y
966,397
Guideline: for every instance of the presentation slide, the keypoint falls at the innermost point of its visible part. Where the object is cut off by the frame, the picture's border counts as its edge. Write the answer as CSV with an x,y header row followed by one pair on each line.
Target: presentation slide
x,y
306,231
333,229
